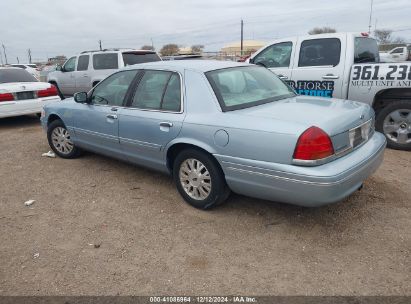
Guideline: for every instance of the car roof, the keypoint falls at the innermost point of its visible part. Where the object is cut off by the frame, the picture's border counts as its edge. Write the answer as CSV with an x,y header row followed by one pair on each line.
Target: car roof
x,y
10,68
117,50
195,65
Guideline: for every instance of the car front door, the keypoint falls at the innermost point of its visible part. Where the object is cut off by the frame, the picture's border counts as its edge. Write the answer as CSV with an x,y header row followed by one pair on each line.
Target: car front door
x,y
152,118
97,122
82,75
66,80
278,58
319,67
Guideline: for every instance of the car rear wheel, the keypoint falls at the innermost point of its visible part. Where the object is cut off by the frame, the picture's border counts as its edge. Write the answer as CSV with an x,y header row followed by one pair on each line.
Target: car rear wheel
x,y
60,140
199,179
395,122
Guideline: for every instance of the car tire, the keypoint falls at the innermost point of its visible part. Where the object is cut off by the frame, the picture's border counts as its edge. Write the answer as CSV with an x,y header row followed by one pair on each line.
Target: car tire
x,y
60,141
58,90
199,179
394,121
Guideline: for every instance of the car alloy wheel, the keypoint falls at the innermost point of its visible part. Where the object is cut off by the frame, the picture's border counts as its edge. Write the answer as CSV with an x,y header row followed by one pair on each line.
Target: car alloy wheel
x,y
397,126
195,179
61,140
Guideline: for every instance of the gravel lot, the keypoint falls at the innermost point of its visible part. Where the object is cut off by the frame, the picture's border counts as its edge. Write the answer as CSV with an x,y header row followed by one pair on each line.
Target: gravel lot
x,y
150,242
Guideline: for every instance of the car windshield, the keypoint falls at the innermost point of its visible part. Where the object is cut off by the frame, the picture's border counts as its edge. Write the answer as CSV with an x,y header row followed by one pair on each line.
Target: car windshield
x,y
16,75
135,58
244,87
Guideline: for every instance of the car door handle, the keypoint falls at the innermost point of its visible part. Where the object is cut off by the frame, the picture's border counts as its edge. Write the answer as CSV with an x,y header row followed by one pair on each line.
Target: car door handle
x,y
282,77
85,75
111,116
330,76
166,124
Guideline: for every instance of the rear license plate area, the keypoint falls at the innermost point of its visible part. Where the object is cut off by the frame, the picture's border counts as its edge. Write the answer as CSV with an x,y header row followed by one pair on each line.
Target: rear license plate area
x,y
25,95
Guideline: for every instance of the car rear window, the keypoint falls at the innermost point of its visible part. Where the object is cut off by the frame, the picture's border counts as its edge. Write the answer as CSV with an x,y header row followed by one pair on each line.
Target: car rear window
x,y
366,50
16,75
130,58
105,61
243,87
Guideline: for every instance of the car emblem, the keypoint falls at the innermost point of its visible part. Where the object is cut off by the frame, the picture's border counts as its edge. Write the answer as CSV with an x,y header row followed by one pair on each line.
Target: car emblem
x,y
23,87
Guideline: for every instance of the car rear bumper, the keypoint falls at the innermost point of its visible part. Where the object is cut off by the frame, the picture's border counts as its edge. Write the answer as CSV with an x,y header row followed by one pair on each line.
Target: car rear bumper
x,y
25,107
305,186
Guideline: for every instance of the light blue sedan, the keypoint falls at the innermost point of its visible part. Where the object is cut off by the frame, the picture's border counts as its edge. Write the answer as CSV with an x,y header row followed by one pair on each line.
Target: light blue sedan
x,y
218,127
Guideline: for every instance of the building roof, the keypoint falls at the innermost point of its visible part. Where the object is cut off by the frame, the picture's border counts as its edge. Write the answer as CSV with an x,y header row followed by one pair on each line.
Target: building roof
x,y
246,43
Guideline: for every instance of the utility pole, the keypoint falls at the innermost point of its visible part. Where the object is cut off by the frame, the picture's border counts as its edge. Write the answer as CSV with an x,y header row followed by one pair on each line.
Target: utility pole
x,y
1,58
369,23
18,61
152,44
5,54
375,25
99,42
29,55
242,32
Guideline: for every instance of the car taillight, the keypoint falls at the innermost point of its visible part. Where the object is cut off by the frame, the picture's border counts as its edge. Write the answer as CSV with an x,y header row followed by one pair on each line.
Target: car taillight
x,y
51,91
313,144
6,97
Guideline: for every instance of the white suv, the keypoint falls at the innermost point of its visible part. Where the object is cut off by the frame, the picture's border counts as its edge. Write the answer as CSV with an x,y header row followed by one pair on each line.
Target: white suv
x,y
82,72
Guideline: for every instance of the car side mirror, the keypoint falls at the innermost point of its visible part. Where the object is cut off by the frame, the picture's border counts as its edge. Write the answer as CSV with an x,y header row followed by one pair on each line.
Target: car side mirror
x,y
59,68
81,97
251,60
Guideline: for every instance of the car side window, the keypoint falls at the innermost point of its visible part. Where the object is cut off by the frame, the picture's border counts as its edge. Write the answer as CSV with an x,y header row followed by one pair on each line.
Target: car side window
x,y
112,90
82,64
320,52
70,65
397,51
105,61
172,96
158,90
275,56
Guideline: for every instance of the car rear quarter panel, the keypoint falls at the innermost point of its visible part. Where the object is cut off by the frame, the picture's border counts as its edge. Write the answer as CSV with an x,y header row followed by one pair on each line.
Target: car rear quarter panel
x,y
228,133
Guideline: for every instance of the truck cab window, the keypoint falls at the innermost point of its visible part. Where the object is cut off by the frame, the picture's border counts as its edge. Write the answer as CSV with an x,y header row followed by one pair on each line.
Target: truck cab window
x,y
365,50
275,56
320,52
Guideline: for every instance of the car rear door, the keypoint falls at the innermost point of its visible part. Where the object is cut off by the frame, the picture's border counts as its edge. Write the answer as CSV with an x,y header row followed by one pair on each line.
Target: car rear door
x,y
277,57
152,118
319,66
97,123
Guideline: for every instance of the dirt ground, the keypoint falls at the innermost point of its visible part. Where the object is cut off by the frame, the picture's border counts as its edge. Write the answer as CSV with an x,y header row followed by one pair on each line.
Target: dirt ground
x,y
149,242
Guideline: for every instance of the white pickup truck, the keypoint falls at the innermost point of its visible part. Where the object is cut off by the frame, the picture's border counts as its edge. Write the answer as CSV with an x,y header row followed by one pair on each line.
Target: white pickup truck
x,y
346,66
398,54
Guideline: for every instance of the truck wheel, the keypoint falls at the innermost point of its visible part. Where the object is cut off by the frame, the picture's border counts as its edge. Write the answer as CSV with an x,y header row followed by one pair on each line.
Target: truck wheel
x,y
394,121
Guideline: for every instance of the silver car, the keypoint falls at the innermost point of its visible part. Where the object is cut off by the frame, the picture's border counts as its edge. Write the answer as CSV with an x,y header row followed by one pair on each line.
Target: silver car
x,y
218,127
84,71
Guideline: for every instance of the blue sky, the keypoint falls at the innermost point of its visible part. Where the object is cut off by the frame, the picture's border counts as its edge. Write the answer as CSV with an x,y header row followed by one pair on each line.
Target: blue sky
x,y
51,27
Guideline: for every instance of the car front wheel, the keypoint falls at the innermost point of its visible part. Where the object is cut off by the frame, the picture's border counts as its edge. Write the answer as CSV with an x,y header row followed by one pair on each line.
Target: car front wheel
x,y
199,179
60,140
394,121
